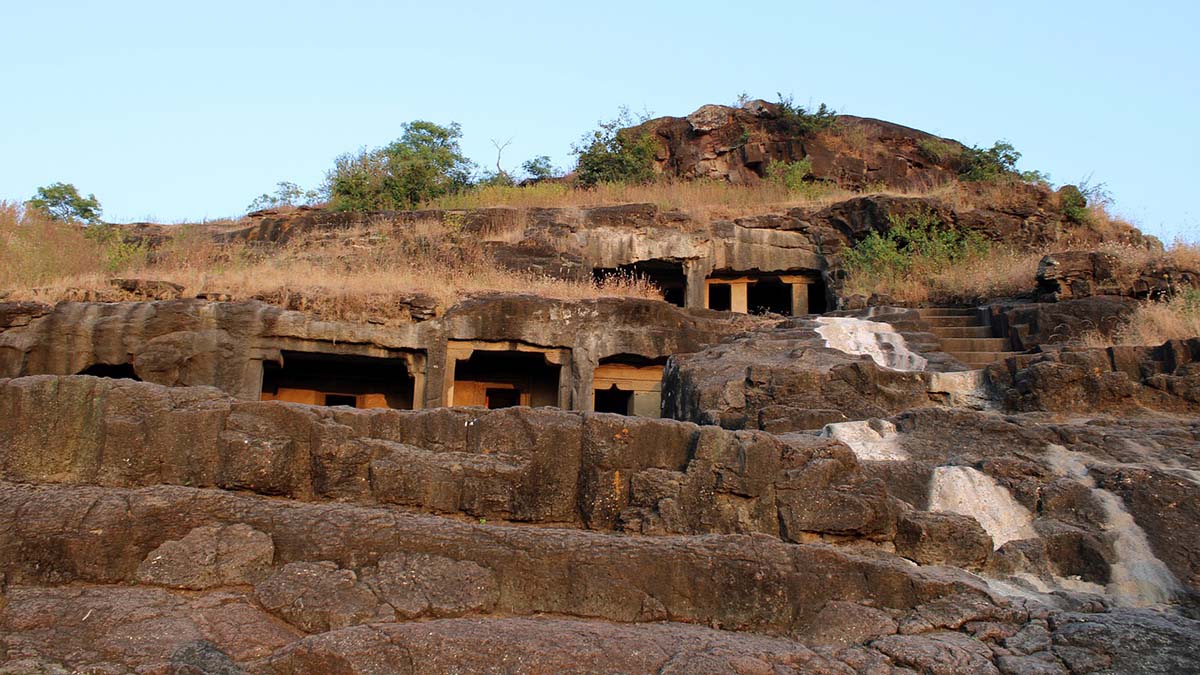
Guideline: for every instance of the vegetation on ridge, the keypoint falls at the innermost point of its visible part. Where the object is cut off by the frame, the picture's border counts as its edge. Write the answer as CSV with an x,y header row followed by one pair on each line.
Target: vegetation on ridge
x,y
62,201
615,153
359,274
424,163
800,120
919,258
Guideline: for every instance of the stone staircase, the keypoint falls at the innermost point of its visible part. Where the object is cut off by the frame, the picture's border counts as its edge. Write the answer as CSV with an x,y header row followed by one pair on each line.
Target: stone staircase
x,y
966,334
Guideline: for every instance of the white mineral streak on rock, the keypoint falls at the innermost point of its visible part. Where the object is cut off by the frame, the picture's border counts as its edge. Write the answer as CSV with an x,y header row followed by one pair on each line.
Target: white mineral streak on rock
x,y
1137,578
871,338
872,439
963,490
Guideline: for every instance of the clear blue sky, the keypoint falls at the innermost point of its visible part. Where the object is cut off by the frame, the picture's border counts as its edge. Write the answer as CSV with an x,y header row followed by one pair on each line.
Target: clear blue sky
x,y
183,111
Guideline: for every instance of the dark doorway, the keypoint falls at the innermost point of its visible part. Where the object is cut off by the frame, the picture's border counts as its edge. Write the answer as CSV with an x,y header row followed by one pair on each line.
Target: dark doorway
x,y
769,295
502,398
116,371
338,379
613,400
500,379
818,302
720,297
341,399
666,275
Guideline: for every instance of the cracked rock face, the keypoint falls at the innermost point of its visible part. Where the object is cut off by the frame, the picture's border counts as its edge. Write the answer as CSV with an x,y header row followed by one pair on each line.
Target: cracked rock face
x,y
810,510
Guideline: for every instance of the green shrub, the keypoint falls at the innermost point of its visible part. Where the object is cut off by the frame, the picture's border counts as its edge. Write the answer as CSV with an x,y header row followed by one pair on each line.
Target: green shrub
x,y
425,163
791,175
938,151
117,254
1074,204
801,120
616,153
915,246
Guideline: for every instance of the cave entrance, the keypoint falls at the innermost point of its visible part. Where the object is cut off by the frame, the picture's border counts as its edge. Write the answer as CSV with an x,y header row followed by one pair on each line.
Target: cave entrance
x,y
791,294
668,276
818,302
720,297
116,371
629,385
503,378
614,400
769,295
319,378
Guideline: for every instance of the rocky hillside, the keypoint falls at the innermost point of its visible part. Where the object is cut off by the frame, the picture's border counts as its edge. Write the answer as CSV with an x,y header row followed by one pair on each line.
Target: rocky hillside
x,y
614,438
738,144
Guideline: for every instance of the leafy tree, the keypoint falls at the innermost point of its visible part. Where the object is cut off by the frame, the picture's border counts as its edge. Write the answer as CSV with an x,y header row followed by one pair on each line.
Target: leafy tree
x,y
615,152
424,163
539,168
286,194
996,163
61,201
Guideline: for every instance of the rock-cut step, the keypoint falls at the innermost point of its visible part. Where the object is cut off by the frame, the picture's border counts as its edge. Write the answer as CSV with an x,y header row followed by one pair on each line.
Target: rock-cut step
x,y
936,322
981,359
927,312
948,332
966,334
957,345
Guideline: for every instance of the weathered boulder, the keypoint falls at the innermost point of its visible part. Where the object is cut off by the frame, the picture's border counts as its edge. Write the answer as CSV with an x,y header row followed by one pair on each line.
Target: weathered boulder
x,y
933,538
941,653
1076,379
208,557
782,379
428,585
1081,274
318,597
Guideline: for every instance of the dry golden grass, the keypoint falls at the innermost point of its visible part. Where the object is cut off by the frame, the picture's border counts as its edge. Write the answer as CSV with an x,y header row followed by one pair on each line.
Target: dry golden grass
x,y
1180,254
36,250
698,198
1152,324
1002,272
363,274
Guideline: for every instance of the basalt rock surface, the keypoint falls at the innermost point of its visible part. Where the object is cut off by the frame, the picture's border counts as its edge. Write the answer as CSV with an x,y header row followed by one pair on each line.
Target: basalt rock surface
x,y
177,529
787,377
736,144
1166,377
1082,274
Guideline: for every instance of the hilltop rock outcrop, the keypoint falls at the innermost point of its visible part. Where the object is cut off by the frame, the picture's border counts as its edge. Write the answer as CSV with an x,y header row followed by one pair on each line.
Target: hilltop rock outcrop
x,y
737,144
